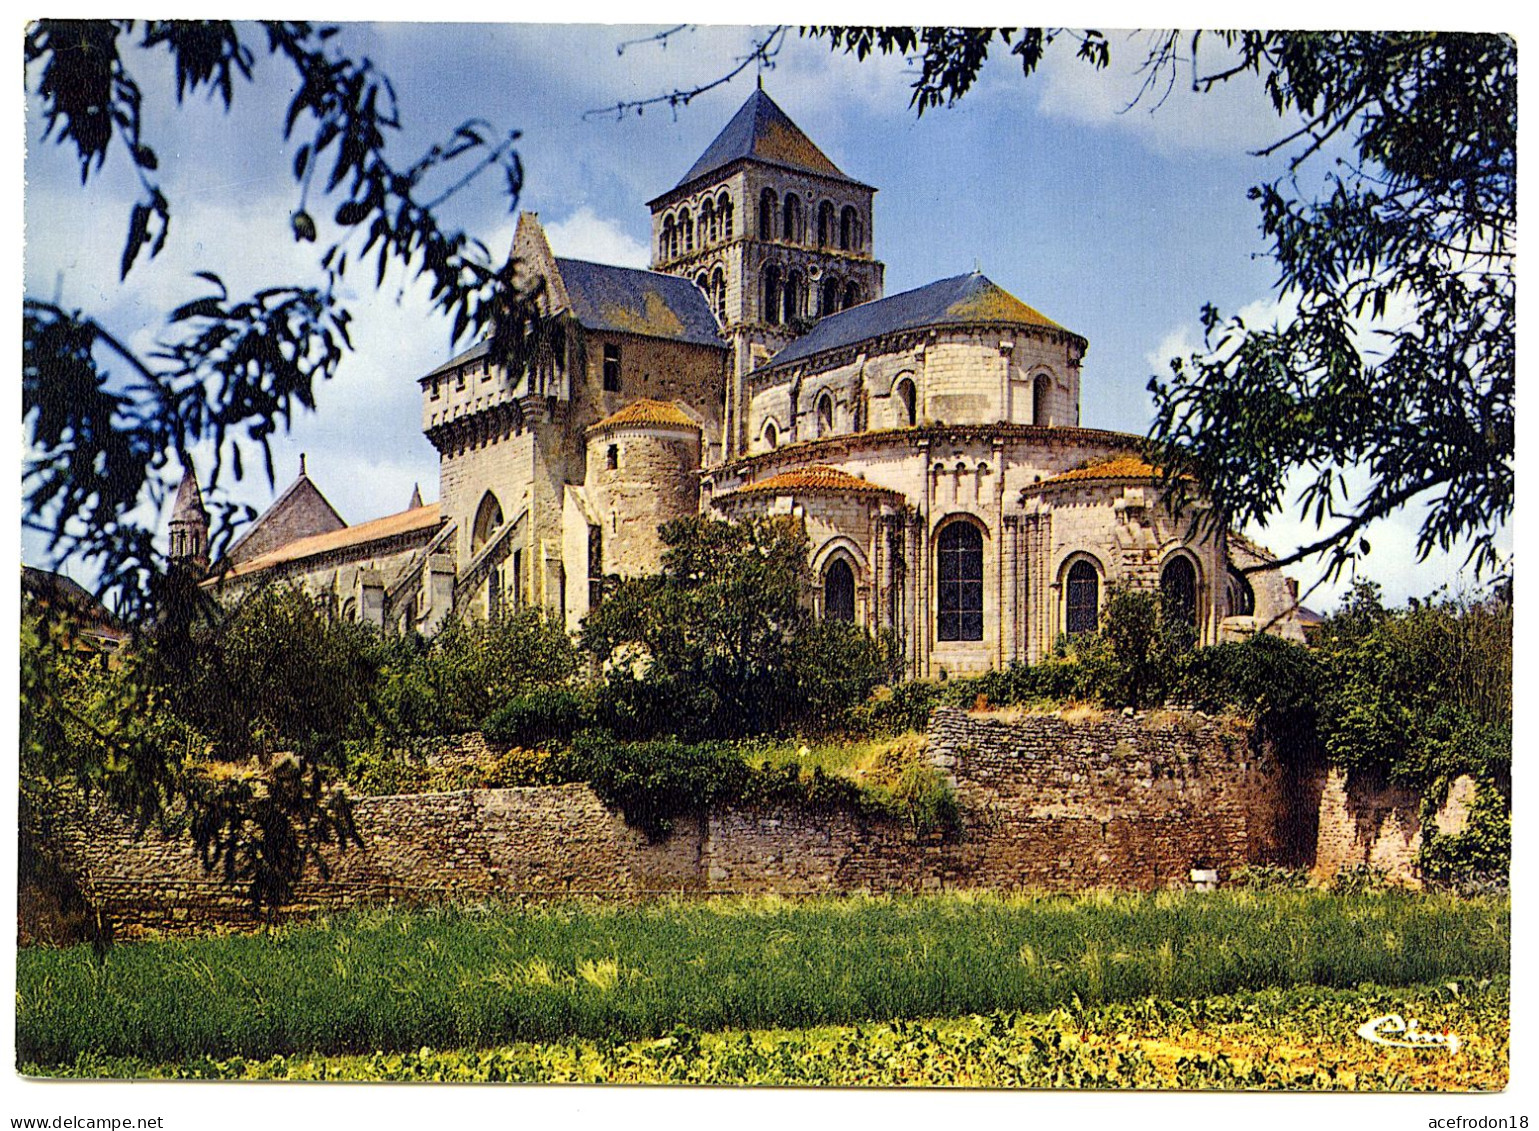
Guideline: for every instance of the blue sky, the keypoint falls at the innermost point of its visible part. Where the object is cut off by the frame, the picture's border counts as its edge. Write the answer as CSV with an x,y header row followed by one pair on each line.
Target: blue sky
x,y
1118,223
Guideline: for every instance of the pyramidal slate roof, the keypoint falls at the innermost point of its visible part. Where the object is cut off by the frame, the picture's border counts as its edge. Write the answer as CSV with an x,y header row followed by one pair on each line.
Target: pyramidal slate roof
x,y
629,301
963,300
189,500
761,131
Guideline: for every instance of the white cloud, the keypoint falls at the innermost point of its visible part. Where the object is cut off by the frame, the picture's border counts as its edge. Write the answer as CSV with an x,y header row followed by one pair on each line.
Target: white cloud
x,y
1234,116
586,235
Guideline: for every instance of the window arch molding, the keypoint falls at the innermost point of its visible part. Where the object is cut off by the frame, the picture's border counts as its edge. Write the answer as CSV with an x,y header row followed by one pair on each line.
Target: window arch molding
x,y
1041,383
487,522
1079,604
823,413
1241,595
959,547
770,433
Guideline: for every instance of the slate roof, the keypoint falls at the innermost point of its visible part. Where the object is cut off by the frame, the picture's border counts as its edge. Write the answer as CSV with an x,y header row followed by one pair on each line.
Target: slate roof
x,y
818,477
963,300
647,411
628,301
761,131
391,526
189,499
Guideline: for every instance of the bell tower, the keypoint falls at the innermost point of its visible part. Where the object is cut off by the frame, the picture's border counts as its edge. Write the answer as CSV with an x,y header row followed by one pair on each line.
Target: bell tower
x,y
773,233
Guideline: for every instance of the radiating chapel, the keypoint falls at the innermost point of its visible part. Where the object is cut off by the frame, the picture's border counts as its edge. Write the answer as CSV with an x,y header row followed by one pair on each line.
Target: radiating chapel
x,y
930,441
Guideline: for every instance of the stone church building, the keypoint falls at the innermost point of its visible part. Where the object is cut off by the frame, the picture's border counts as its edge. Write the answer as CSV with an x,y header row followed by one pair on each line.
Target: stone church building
x,y
929,440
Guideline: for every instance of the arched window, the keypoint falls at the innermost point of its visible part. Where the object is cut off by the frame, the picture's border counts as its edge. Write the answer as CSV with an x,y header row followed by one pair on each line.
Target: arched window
x,y
849,229
1242,598
825,223
665,241
796,290
830,300
687,227
719,294
488,519
825,413
959,583
851,296
704,283
771,435
791,226
724,211
1039,391
707,223
1178,590
1082,610
908,406
839,591
771,294
767,214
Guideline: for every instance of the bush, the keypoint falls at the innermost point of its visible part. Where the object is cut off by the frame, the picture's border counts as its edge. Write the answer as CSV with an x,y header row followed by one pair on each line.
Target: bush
x,y
1276,682
473,668
1477,858
655,783
540,717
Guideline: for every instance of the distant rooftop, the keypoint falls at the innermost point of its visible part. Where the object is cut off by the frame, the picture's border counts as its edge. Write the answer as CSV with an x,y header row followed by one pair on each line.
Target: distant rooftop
x,y
391,526
963,300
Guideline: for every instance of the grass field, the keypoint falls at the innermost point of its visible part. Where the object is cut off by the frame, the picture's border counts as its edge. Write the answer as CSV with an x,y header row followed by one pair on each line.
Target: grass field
x,y
394,982
1302,1038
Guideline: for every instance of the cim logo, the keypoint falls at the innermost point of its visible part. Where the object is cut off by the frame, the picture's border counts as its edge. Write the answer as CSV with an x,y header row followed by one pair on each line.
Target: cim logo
x,y
1395,1031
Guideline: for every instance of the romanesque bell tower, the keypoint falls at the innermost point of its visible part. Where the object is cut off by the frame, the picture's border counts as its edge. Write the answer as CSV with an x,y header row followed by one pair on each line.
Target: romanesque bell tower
x,y
773,233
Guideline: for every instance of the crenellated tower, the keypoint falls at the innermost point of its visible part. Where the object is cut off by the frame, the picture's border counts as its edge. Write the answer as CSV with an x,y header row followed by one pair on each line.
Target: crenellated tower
x,y
773,233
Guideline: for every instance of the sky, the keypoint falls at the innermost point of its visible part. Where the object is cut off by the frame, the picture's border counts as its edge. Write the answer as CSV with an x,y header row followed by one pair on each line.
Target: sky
x,y
1117,221
1117,224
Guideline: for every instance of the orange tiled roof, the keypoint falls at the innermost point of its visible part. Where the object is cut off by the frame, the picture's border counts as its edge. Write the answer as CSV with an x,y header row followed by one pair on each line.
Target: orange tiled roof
x,y
816,478
647,411
391,526
1118,467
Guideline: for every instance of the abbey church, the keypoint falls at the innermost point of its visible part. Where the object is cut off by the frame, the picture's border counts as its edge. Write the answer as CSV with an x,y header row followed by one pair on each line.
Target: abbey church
x,y
929,441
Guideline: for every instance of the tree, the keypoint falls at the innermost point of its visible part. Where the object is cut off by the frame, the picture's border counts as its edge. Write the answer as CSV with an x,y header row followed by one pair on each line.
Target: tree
x,y
722,643
1399,357
100,419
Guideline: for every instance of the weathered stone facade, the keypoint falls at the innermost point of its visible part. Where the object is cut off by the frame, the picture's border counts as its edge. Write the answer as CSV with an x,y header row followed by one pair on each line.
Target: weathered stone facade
x,y
931,440
1046,803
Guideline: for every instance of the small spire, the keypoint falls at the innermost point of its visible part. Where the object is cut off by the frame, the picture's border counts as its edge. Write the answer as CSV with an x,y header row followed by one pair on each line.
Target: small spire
x,y
301,465
416,497
977,266
760,79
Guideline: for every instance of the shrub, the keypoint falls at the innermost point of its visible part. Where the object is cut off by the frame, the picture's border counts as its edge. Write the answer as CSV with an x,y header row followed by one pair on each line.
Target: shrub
x,y
1275,682
539,717
475,667
1480,856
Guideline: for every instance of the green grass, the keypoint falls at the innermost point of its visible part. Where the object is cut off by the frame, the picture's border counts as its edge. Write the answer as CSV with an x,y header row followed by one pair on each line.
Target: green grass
x,y
395,981
1298,1038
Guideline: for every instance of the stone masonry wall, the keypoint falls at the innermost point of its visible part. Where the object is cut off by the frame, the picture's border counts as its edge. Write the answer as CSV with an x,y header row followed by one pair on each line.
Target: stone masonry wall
x,y
1373,824
1046,803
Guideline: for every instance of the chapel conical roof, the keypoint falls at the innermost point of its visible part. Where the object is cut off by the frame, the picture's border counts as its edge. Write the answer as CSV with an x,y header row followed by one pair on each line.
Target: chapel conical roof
x,y
761,131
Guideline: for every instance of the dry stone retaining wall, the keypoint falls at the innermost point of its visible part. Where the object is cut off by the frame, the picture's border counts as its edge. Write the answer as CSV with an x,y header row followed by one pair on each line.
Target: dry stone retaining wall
x,y
1046,802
